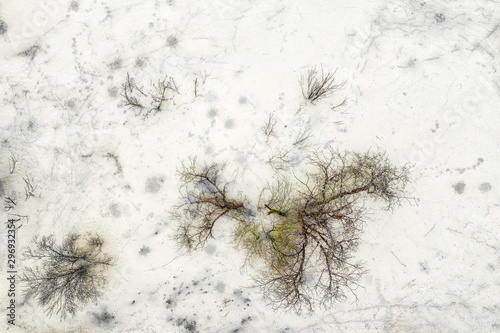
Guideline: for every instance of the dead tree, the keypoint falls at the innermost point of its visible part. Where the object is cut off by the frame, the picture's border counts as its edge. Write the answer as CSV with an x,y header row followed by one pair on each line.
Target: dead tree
x,y
205,200
307,228
305,248
68,276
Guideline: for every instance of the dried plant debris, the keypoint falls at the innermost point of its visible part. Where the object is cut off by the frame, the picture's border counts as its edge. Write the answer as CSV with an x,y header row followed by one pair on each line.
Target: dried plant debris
x,y
148,102
318,85
269,128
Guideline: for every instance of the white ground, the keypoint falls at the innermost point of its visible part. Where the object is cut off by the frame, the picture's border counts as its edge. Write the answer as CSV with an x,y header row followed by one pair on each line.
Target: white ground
x,y
421,83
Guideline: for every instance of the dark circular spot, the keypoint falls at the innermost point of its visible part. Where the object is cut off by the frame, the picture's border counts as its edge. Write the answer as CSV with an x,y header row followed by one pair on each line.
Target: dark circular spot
x,y
485,187
112,92
229,123
172,41
144,250
212,113
104,318
139,62
439,17
459,187
153,184
117,64
75,6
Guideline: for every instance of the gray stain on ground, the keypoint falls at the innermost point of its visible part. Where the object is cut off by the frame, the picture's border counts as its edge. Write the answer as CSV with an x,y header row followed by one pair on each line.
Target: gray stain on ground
x,y
459,187
189,325
144,250
212,113
114,209
116,64
103,318
229,124
113,92
139,62
3,27
485,187
172,41
30,52
439,18
220,287
153,184
210,249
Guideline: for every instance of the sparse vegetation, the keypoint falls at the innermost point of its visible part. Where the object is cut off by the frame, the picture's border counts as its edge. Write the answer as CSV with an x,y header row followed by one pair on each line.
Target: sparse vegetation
x,y
318,85
13,160
203,79
29,188
68,276
303,236
146,103
268,129
9,203
302,138
280,159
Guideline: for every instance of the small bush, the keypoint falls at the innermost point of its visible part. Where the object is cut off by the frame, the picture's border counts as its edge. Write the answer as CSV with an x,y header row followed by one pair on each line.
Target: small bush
x,y
316,86
146,103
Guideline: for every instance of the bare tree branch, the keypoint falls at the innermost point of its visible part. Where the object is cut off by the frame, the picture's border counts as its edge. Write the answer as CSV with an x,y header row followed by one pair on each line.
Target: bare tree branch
x,y
302,137
268,129
29,188
13,159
